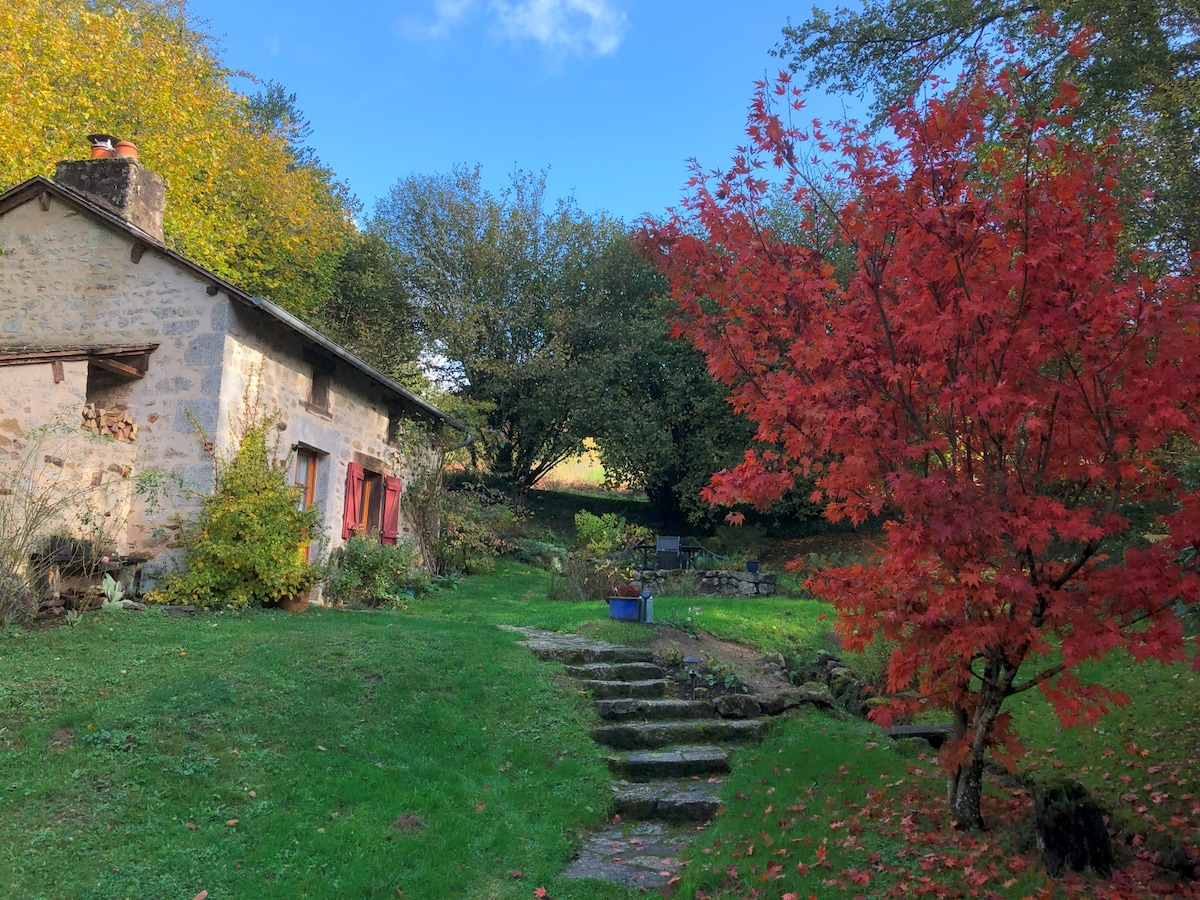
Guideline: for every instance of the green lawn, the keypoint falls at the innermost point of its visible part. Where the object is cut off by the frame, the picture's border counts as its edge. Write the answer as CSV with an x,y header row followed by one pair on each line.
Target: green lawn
x,y
425,754
516,595
830,808
269,755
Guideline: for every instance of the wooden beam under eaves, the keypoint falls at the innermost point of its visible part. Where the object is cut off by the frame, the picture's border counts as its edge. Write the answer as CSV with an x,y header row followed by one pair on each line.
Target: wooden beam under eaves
x,y
120,368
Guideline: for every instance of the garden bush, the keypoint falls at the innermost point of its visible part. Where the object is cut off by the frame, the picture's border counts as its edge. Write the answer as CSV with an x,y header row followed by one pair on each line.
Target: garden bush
x,y
476,522
580,577
247,546
544,554
365,572
608,533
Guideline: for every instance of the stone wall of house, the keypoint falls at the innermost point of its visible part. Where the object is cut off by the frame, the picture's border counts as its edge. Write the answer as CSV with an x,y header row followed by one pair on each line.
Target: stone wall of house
x,y
69,280
354,429
86,481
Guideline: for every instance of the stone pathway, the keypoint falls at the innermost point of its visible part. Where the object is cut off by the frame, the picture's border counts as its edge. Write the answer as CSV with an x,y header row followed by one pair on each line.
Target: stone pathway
x,y
667,755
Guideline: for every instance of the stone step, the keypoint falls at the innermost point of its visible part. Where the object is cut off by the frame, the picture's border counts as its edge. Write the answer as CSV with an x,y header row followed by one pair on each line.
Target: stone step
x,y
669,762
578,653
632,708
605,690
649,735
636,671
641,855
671,801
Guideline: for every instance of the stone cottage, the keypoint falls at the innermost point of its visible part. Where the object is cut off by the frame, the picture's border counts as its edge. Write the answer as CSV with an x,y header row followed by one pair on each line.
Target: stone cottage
x,y
104,327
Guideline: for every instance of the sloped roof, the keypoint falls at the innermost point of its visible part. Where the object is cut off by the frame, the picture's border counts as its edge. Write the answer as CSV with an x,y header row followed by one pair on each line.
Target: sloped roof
x,y
36,186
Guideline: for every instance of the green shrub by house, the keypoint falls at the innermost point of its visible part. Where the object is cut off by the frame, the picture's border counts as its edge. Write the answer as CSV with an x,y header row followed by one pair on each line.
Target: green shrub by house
x,y
364,571
245,547
476,522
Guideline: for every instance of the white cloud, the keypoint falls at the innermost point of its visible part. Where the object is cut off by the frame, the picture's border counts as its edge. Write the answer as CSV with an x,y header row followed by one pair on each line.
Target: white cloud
x,y
575,26
447,15
561,26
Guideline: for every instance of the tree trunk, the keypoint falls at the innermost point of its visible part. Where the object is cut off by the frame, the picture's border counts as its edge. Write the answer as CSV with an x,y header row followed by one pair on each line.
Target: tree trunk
x,y
965,792
964,785
664,502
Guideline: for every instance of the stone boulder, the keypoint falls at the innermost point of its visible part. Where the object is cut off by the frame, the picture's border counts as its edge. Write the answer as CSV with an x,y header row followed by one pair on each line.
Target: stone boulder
x,y
816,693
736,706
779,701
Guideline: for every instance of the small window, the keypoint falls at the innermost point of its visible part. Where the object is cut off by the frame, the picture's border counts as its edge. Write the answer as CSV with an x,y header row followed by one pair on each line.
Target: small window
x,y
320,381
318,391
306,475
372,504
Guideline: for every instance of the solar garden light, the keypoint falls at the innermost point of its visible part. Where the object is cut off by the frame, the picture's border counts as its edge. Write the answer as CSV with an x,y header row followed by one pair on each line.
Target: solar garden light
x,y
692,662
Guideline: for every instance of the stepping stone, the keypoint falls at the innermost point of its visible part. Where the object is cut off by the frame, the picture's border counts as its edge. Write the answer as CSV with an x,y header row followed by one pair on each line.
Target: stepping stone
x,y
633,689
616,671
648,735
630,708
638,855
575,650
666,754
676,762
671,801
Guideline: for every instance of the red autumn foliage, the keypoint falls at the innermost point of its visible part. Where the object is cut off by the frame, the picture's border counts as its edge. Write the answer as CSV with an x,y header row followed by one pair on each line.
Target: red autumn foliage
x,y
996,378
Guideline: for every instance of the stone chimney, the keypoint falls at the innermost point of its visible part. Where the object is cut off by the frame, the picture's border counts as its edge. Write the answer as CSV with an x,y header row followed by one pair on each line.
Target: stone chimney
x,y
121,184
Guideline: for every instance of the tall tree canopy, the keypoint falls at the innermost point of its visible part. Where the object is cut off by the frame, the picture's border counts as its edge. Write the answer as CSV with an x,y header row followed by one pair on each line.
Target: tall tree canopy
x,y
370,313
1140,76
995,379
666,424
241,201
514,298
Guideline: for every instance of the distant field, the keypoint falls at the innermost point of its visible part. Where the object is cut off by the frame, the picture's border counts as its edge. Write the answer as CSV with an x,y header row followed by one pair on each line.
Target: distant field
x,y
582,472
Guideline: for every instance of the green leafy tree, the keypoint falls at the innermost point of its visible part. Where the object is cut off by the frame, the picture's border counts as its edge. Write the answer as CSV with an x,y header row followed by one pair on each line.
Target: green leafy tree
x,y
1137,76
509,307
369,311
668,424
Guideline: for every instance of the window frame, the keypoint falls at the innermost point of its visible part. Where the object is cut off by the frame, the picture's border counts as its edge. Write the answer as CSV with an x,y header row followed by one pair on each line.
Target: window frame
x,y
320,384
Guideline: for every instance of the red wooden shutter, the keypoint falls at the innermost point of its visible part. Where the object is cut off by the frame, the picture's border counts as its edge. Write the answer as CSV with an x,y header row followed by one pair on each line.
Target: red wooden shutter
x,y
352,504
391,511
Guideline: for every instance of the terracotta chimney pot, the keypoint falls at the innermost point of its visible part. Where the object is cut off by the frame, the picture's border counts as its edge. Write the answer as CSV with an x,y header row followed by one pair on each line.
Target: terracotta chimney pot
x,y
102,145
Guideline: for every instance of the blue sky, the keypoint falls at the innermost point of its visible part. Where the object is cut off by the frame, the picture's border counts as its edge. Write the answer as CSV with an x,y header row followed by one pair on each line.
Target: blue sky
x,y
614,96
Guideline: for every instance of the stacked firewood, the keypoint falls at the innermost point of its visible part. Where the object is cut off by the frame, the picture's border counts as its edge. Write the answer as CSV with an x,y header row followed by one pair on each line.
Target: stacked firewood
x,y
63,592
114,423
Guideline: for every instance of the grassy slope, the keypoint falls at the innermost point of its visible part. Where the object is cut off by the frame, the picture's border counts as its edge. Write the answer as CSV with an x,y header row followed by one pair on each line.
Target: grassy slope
x,y
221,706
516,595
266,755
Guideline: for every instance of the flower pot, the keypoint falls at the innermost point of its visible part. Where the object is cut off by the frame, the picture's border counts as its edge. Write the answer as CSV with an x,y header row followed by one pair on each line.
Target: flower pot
x,y
752,566
127,148
297,603
623,609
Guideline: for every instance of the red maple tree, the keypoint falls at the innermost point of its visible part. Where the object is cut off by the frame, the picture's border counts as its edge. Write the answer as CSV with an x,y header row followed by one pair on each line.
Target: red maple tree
x,y
995,377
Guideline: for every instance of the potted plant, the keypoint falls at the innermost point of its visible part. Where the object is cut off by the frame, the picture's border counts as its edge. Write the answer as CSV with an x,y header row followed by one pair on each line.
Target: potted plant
x,y
625,606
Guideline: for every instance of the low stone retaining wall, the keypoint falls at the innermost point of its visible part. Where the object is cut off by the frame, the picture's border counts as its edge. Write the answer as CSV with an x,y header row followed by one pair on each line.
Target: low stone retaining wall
x,y
715,582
